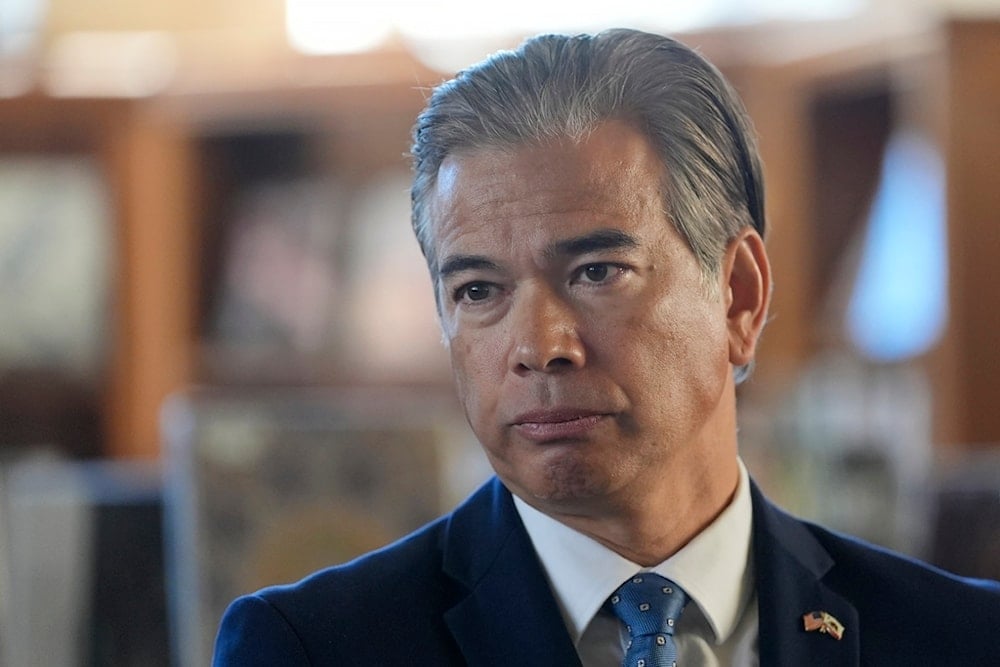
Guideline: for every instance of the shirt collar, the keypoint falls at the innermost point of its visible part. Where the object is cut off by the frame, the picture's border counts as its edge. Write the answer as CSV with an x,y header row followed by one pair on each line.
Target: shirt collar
x,y
714,568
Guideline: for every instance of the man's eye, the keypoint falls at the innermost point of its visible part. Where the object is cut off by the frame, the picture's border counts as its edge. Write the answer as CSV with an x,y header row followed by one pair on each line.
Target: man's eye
x,y
473,292
596,273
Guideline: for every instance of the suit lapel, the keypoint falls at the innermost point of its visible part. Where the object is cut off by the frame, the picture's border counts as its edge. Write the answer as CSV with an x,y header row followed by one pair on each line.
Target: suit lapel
x,y
509,603
790,565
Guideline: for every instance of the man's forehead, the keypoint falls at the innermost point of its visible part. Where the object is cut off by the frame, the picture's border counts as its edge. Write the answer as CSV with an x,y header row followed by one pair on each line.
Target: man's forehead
x,y
613,152
480,184
486,163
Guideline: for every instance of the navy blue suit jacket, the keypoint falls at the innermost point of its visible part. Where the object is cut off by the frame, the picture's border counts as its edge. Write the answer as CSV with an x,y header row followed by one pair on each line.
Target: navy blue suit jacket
x,y
468,589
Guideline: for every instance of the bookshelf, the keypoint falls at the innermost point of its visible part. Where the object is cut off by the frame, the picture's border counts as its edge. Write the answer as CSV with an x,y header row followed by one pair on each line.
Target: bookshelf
x,y
177,163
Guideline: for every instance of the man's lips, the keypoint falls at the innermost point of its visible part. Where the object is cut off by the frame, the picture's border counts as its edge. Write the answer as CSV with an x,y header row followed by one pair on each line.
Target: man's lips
x,y
558,424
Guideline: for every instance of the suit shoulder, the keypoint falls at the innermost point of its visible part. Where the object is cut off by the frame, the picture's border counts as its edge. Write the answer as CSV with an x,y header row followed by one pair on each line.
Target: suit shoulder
x,y
324,615
885,584
891,604
253,632
405,586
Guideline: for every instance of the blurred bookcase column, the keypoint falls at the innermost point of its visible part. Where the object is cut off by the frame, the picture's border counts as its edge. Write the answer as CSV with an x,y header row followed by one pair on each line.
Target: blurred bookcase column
x,y
143,162
151,167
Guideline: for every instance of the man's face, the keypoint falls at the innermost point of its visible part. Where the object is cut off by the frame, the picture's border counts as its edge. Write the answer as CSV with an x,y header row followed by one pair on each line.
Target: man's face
x,y
588,354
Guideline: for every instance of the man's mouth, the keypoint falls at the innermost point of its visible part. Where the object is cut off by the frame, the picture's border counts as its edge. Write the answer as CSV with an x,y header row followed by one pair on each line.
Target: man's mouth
x,y
557,424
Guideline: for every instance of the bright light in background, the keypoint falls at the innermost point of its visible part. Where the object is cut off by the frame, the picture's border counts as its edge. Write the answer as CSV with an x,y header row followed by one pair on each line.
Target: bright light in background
x,y
325,27
110,64
900,302
19,23
317,27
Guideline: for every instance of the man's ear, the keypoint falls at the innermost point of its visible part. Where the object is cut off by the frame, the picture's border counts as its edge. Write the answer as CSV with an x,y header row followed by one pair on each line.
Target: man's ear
x,y
746,273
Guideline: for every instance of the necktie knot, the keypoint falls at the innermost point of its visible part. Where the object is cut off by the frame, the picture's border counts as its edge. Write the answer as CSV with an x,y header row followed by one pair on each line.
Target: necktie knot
x,y
650,606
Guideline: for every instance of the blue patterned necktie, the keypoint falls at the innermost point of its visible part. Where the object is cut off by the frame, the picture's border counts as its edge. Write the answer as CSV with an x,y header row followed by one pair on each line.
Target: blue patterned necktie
x,y
649,605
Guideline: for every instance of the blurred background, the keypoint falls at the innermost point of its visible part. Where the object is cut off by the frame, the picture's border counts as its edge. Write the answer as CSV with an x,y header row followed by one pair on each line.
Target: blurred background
x,y
219,363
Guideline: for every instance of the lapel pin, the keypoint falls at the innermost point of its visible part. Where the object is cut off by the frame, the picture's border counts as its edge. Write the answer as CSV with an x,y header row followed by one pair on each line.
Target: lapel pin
x,y
821,621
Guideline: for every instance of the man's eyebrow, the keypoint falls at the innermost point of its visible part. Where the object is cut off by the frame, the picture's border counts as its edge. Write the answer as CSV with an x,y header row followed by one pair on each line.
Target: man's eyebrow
x,y
457,263
602,239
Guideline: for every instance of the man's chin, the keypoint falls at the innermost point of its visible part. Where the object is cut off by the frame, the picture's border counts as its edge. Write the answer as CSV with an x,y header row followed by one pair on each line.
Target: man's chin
x,y
562,489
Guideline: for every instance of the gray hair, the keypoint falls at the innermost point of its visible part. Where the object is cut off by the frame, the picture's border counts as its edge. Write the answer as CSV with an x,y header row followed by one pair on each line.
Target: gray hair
x,y
556,86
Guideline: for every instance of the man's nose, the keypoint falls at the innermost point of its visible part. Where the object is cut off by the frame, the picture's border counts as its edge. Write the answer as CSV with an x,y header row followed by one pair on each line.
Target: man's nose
x,y
544,333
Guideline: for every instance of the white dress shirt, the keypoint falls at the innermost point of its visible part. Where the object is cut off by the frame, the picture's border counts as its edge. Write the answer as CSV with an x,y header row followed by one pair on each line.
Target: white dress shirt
x,y
719,624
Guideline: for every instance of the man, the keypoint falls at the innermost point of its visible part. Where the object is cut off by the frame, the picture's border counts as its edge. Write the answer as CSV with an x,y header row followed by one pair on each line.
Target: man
x,y
591,211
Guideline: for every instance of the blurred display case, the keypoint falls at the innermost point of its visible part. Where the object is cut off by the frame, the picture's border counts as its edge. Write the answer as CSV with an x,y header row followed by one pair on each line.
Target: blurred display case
x,y
265,487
